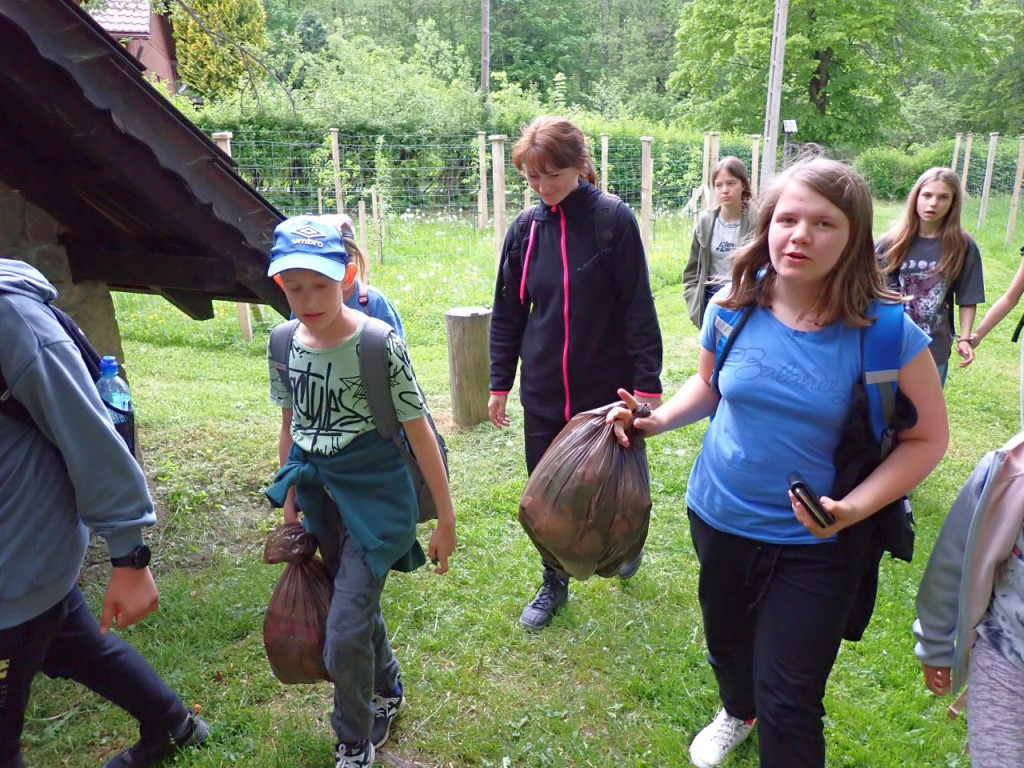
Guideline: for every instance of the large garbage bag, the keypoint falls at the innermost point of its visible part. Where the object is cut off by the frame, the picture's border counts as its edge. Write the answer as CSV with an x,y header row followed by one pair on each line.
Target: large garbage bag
x,y
587,505
294,627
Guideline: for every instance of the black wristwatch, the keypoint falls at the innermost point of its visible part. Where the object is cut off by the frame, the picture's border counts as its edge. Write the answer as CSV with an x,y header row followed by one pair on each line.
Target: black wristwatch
x,y
138,558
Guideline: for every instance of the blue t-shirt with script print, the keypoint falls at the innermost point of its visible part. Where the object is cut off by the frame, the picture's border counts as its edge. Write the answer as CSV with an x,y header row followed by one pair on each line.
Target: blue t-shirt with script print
x,y
785,397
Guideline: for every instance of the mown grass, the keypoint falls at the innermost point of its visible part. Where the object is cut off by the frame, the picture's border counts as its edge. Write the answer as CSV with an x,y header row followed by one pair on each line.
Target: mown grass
x,y
618,679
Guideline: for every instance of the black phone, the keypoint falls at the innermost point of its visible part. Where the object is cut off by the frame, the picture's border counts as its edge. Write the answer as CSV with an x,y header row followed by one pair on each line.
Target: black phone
x,y
809,499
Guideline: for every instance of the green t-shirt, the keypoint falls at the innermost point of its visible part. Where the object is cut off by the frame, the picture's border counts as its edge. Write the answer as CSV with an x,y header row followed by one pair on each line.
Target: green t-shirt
x,y
329,407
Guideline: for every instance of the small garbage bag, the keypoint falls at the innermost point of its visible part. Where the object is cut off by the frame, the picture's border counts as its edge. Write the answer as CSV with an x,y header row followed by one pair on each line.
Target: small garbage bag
x,y
294,626
587,505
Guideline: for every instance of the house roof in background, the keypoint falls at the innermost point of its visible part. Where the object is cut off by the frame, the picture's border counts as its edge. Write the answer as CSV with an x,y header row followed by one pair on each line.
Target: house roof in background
x,y
125,18
147,202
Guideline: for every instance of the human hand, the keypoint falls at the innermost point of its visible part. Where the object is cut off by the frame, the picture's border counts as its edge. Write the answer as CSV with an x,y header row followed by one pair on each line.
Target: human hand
x,y
496,410
622,417
936,679
442,544
291,512
965,349
833,507
131,596
654,402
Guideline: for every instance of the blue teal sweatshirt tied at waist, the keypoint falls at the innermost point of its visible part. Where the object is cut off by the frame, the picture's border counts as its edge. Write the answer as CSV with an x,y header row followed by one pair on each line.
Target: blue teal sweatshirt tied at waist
x,y
369,485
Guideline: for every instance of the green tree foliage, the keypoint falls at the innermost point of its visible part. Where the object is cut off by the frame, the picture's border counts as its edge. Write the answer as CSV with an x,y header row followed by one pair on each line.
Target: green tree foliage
x,y
311,31
217,42
848,64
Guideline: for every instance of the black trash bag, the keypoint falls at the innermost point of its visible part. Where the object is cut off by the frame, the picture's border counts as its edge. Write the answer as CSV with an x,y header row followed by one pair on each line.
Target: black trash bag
x,y
587,505
295,624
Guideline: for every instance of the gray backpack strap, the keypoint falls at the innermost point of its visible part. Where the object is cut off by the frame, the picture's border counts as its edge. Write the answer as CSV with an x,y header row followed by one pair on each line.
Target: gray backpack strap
x,y
376,376
281,349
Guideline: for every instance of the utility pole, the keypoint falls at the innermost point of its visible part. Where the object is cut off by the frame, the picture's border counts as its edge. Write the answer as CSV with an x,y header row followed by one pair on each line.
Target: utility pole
x,y
485,45
771,112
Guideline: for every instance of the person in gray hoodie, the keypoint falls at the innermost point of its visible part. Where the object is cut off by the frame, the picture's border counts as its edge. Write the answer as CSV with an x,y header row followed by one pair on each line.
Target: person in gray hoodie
x,y
63,472
970,608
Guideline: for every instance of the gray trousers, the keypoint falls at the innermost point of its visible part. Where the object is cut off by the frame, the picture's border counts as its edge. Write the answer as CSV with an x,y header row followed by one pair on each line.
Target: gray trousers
x,y
995,709
357,652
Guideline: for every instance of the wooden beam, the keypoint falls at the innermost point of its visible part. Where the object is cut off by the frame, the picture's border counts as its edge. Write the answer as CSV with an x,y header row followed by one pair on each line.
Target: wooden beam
x,y
136,266
195,305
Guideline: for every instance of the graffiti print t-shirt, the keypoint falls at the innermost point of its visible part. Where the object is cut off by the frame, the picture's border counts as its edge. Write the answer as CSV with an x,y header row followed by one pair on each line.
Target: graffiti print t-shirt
x,y
329,407
932,295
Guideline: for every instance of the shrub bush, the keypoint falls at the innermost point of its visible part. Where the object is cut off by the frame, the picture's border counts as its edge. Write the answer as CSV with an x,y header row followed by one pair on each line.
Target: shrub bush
x,y
889,172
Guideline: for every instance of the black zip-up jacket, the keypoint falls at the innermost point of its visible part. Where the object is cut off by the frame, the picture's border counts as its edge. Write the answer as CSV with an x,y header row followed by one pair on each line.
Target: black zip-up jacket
x,y
583,322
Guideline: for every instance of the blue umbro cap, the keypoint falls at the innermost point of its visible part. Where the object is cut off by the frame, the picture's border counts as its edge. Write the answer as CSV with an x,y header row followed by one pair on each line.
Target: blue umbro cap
x,y
308,242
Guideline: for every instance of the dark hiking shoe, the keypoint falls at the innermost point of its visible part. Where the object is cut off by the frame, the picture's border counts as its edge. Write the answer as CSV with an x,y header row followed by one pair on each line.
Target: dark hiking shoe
x,y
549,598
630,567
387,709
143,753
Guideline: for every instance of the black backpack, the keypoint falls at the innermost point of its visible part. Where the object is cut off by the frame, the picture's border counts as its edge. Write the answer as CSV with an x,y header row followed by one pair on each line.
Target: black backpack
x,y
124,421
604,233
376,378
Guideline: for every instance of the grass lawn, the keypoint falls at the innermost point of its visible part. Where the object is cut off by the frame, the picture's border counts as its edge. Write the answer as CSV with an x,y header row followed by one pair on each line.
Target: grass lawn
x,y
619,679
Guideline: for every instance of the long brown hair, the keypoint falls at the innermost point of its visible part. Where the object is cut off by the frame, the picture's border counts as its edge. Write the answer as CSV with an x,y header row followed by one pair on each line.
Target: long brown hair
x,y
735,168
952,238
552,143
854,281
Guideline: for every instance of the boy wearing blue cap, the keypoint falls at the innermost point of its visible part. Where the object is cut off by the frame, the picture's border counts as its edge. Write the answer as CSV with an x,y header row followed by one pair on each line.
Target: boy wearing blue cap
x,y
351,484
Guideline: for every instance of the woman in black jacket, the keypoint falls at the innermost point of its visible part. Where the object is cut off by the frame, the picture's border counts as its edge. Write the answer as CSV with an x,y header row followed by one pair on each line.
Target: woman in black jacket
x,y
573,302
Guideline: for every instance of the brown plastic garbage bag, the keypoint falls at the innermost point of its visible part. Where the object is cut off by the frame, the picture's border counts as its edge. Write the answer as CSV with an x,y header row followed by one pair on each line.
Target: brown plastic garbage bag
x,y
587,505
296,619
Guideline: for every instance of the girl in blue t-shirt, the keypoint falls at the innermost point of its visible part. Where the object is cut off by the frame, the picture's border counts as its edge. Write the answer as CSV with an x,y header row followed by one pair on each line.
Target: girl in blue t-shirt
x,y
776,589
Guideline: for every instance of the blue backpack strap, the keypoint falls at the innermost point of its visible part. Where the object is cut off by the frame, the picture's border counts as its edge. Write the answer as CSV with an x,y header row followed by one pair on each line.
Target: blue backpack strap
x,y
880,352
728,323
281,348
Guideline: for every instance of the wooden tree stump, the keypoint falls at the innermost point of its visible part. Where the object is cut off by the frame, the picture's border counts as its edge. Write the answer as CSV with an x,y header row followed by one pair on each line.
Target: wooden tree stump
x,y
469,361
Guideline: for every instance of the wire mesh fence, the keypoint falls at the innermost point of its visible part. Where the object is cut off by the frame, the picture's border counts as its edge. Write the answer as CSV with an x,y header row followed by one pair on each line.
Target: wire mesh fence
x,y
404,178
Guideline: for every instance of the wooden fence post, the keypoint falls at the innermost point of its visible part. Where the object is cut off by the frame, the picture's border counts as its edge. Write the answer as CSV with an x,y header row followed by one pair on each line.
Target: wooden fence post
x,y
498,181
320,200
755,149
223,139
1011,225
527,201
705,169
469,362
989,164
377,232
956,152
481,195
604,162
362,226
339,195
967,162
715,144
646,191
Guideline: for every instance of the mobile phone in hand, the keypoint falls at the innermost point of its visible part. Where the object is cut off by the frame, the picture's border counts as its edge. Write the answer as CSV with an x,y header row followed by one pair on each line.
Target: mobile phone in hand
x,y
799,487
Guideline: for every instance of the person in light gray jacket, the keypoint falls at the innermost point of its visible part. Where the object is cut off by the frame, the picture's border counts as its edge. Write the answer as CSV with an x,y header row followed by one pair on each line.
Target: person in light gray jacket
x,y
970,607
717,233
63,471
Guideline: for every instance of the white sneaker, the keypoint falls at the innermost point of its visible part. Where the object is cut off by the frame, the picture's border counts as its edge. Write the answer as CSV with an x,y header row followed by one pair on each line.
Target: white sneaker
x,y
718,739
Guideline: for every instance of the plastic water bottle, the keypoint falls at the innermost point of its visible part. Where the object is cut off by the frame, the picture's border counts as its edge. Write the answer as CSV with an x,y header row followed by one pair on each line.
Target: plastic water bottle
x,y
118,398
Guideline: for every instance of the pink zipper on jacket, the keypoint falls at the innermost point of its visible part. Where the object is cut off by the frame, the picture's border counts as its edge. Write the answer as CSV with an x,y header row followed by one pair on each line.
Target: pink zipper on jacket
x,y
565,312
565,293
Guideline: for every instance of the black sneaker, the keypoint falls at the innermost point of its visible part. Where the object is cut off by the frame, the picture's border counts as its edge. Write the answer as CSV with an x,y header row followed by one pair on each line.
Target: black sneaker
x,y
143,754
549,598
387,709
630,567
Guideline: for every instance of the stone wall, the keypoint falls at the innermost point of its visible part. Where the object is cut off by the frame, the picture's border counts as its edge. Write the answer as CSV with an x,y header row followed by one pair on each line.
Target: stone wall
x,y
30,234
